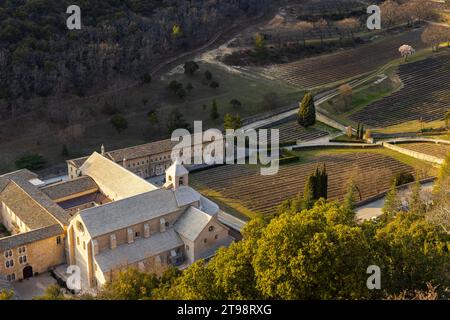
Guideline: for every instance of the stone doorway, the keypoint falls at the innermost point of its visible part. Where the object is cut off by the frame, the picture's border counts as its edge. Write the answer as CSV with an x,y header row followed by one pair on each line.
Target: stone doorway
x,y
27,272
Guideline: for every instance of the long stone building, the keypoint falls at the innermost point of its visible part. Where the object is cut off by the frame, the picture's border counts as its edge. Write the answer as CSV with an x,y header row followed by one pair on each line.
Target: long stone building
x,y
145,160
105,219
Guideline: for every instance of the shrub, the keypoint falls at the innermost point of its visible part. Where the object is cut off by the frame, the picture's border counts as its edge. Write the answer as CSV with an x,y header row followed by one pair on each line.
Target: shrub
x,y
31,162
214,84
403,178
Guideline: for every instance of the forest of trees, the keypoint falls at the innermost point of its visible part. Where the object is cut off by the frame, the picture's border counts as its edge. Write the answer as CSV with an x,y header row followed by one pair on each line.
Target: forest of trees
x,y
119,41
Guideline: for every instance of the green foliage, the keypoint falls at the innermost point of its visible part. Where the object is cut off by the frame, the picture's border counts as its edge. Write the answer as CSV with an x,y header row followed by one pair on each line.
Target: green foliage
x,y
119,123
319,183
392,203
52,292
146,78
30,162
214,111
6,295
403,178
130,285
232,122
177,32
208,75
177,88
190,68
447,119
307,111
260,47
176,121
214,84
235,103
65,151
152,117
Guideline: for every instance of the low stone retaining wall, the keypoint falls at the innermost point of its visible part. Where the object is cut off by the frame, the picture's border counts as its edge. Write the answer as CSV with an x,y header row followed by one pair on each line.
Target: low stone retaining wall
x,y
414,154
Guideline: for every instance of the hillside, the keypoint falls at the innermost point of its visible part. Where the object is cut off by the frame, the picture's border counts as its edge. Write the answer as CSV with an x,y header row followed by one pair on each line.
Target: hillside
x,y
119,43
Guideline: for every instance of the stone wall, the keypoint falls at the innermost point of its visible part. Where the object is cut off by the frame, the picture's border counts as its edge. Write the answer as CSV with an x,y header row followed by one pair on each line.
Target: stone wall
x,y
414,154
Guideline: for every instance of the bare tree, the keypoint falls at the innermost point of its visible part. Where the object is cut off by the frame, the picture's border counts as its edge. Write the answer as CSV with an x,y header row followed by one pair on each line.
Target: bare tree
x,y
390,13
346,92
435,35
304,27
321,26
348,26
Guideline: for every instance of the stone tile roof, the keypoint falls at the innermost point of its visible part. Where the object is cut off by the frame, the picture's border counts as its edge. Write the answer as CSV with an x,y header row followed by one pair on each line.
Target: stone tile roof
x,y
186,195
44,201
129,211
30,236
27,190
71,187
25,207
23,174
139,250
114,180
192,222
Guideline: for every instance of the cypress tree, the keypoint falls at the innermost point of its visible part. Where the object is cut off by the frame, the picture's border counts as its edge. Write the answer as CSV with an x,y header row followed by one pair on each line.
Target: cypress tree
x,y
308,193
307,111
214,112
324,182
392,202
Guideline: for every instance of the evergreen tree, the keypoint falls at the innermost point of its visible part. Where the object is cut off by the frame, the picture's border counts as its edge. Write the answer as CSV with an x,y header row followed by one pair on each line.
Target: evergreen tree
x,y
176,121
415,203
308,193
392,202
119,123
307,111
65,151
214,112
324,184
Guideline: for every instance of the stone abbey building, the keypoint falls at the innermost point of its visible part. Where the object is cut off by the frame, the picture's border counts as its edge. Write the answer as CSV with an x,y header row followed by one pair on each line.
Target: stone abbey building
x,y
105,219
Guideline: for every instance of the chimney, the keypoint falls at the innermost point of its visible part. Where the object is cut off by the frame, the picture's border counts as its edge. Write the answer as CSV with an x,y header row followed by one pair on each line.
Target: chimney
x,y
103,150
162,225
124,162
95,247
130,235
146,230
113,241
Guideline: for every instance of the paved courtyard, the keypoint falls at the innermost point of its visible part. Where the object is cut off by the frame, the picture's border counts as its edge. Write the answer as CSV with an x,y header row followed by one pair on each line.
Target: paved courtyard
x,y
33,287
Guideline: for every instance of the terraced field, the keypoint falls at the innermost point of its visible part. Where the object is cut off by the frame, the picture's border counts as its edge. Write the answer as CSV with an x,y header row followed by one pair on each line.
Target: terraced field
x,y
243,186
425,95
292,131
313,72
432,149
